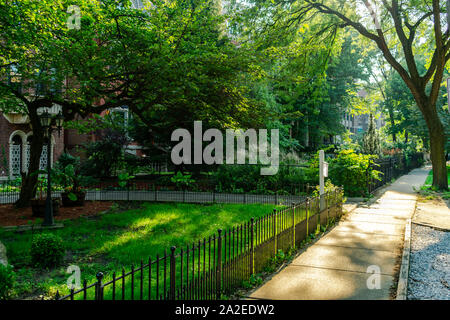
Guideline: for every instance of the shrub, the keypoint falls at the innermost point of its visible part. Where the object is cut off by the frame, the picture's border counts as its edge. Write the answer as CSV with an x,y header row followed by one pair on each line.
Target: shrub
x,y
7,279
182,181
47,250
353,171
106,155
67,159
248,178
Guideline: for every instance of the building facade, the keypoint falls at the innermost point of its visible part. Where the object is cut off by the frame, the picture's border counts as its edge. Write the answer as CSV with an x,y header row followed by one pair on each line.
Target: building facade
x,y
15,137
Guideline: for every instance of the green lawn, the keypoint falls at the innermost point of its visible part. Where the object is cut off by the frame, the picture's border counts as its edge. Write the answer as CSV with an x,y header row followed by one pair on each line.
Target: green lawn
x,y
119,239
429,179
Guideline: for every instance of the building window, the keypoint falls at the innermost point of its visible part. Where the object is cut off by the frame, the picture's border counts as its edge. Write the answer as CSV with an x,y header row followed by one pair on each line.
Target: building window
x,y
120,114
15,156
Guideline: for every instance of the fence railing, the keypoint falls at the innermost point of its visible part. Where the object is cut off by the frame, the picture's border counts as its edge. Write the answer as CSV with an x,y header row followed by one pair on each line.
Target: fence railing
x,y
216,266
170,196
392,168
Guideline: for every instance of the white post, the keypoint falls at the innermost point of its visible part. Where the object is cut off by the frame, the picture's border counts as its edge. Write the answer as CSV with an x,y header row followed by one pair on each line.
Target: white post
x,y
323,173
321,179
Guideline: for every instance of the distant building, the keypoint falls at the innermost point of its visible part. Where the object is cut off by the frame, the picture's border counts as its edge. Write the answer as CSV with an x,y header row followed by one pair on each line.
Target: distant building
x,y
358,124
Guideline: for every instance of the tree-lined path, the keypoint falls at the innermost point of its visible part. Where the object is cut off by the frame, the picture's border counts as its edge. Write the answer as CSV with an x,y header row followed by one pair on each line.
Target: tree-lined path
x,y
336,266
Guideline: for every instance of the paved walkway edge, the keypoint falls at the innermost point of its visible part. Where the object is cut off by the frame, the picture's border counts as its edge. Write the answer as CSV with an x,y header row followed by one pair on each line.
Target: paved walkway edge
x,y
402,286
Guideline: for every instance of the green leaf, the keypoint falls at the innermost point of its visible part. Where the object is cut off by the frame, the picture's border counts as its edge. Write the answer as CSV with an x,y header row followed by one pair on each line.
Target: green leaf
x,y
72,196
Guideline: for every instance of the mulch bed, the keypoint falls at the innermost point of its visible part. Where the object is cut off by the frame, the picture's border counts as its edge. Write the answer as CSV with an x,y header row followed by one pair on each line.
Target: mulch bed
x,y
10,216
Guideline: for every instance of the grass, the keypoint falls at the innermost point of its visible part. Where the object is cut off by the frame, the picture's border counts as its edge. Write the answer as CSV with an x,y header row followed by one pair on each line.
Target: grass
x,y
115,240
430,192
429,180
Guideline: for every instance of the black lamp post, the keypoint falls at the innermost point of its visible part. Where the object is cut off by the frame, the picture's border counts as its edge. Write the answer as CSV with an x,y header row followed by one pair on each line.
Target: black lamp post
x,y
47,121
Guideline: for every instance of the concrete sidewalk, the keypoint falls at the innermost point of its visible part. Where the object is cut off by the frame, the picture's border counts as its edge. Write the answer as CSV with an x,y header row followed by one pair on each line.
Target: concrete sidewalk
x,y
336,266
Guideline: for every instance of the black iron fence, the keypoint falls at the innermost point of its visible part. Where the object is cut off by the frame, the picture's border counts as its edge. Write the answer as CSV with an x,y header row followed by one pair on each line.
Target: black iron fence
x,y
393,167
216,266
129,194
142,190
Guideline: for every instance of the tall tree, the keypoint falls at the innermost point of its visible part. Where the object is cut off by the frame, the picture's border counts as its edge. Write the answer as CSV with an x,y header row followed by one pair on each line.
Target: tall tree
x,y
167,60
309,75
408,27
50,55
371,140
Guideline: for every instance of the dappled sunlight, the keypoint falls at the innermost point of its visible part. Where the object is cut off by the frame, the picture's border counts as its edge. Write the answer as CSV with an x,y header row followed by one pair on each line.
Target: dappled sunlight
x,y
141,230
156,227
149,222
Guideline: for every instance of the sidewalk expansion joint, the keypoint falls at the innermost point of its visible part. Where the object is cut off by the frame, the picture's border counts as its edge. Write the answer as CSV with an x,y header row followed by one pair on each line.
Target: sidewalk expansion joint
x,y
347,247
337,269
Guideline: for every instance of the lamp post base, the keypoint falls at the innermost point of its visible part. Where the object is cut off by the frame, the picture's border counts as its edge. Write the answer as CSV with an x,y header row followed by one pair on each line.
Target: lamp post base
x,y
48,218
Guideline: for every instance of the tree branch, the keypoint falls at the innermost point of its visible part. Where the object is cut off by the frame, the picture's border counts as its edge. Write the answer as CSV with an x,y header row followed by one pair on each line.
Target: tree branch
x,y
378,39
439,54
406,43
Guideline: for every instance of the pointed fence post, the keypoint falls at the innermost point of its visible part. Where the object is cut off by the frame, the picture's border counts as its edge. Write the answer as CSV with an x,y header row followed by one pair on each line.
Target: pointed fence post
x,y
293,224
252,245
275,230
219,265
327,198
307,216
99,287
172,273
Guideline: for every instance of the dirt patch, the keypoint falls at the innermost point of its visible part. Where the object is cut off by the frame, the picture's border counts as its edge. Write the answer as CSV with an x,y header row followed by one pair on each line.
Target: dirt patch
x,y
10,216
432,211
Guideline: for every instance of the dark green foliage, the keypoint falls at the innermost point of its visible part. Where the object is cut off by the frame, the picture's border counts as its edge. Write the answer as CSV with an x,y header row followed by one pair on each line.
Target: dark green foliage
x,y
7,280
248,179
353,171
67,174
67,159
47,251
182,181
106,155
371,140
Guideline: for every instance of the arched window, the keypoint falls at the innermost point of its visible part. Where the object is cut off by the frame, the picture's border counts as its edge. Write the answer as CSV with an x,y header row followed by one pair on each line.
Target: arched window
x,y
16,151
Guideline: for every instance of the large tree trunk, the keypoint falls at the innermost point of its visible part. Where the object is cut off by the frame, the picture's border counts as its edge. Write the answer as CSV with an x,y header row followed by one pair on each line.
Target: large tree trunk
x,y
437,146
29,180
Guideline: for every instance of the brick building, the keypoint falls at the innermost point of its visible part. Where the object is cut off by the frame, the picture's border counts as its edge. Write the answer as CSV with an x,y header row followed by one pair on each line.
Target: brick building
x,y
15,133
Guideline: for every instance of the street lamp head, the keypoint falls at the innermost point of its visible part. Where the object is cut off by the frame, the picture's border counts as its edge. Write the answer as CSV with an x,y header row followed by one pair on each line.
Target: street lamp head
x,y
59,119
45,119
